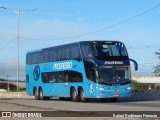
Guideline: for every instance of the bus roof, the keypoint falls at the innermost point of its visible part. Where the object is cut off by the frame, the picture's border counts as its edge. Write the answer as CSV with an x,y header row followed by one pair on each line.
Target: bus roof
x,y
93,41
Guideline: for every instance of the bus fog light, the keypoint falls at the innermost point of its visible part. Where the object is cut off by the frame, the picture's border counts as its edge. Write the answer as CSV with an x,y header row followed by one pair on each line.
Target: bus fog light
x,y
100,93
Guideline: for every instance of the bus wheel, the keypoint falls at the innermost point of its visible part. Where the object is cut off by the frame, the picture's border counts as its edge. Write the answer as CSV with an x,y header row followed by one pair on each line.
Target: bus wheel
x,y
74,95
81,96
113,99
41,94
36,94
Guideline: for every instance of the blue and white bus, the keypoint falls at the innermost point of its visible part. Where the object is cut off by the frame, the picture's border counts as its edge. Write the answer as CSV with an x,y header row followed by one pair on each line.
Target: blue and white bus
x,y
81,70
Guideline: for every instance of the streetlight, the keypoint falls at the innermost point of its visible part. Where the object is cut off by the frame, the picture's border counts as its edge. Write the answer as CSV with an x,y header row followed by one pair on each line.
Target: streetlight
x,y
19,12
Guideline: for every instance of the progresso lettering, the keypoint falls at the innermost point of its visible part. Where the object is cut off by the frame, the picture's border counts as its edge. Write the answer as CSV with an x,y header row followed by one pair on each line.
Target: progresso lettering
x,y
62,66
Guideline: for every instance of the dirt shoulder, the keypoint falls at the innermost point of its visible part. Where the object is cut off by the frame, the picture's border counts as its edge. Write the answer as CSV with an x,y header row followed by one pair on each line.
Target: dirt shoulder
x,y
14,95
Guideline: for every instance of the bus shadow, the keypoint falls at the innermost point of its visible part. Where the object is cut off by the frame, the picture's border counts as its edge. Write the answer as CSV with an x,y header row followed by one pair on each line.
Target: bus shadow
x,y
120,100
131,99
94,100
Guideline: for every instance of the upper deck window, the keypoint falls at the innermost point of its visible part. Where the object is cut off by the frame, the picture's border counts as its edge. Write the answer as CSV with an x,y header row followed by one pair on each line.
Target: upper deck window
x,y
86,49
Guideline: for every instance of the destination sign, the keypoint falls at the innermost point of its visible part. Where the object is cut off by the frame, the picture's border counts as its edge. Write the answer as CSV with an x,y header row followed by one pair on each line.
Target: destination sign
x,y
114,62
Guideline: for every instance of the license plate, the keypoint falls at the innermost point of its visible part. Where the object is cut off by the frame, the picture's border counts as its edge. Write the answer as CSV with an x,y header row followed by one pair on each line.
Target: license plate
x,y
116,95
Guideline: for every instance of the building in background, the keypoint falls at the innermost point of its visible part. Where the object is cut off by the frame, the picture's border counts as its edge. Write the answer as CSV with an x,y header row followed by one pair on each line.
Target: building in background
x,y
148,83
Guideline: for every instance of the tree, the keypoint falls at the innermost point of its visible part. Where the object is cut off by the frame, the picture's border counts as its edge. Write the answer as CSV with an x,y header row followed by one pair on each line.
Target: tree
x,y
136,85
157,67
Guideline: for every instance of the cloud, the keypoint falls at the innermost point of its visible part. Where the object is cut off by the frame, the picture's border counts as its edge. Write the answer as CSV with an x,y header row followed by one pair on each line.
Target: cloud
x,y
51,29
10,67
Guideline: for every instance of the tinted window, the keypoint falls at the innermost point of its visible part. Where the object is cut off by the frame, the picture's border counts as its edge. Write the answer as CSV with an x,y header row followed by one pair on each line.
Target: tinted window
x,y
86,50
29,59
74,52
65,52
34,58
74,76
45,77
61,77
27,78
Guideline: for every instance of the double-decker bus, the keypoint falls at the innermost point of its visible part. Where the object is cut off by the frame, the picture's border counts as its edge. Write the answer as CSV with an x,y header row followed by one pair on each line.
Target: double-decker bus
x,y
81,70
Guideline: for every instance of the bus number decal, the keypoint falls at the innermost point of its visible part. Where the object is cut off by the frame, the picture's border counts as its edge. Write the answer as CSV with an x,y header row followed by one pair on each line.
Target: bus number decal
x,y
62,66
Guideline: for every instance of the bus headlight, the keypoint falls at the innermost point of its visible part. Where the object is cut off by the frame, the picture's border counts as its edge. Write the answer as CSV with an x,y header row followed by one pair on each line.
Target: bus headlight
x,y
129,88
99,88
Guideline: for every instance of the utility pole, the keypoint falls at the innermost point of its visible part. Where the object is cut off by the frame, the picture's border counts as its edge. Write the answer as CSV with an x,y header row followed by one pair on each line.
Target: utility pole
x,y
7,82
19,12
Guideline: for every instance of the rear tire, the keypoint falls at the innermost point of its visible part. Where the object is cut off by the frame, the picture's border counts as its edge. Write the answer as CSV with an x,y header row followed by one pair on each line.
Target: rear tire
x,y
74,96
36,94
41,95
81,96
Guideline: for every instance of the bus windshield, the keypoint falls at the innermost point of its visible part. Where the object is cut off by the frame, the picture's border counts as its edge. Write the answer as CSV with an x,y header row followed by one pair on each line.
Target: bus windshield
x,y
109,49
114,74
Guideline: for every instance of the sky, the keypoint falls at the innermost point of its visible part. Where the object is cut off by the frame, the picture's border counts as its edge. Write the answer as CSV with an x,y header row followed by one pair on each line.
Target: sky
x,y
57,22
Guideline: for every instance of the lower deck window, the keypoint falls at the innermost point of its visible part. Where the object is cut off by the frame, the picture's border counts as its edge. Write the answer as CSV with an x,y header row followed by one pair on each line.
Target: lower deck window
x,y
62,76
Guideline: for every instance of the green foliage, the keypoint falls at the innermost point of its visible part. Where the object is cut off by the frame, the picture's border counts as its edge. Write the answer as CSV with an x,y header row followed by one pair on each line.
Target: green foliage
x,y
136,85
20,90
157,67
158,87
2,79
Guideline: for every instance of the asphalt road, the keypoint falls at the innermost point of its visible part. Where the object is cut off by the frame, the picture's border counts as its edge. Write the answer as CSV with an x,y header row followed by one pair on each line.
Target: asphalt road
x,y
123,104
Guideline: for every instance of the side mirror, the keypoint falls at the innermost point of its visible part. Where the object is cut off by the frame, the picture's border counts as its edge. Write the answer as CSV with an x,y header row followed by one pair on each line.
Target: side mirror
x,y
135,64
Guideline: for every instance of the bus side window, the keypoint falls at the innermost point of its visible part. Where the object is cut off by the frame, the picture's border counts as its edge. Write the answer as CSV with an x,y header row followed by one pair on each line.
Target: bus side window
x,y
45,77
67,54
75,76
86,50
75,53
27,78
52,77
55,55
66,76
60,77
49,57
63,54
91,74
29,59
